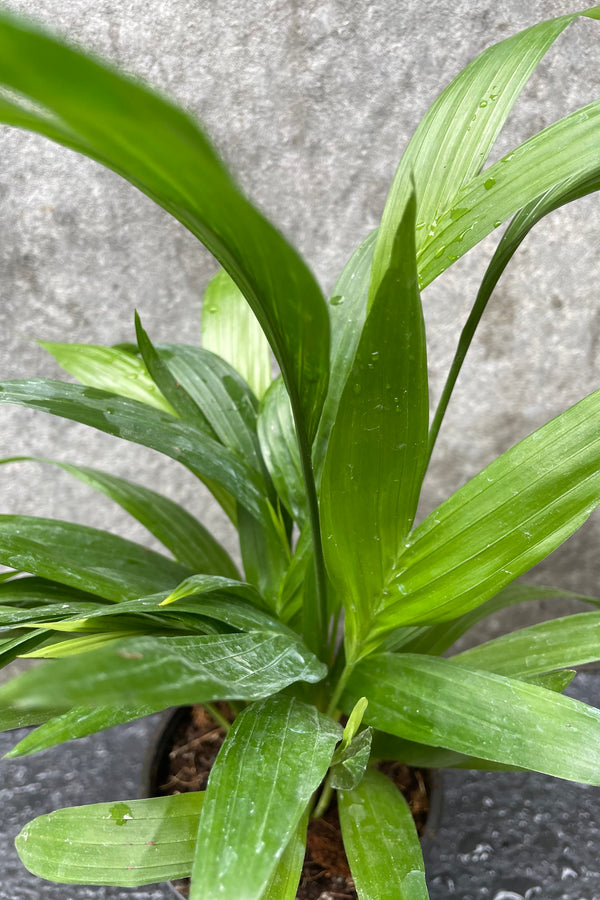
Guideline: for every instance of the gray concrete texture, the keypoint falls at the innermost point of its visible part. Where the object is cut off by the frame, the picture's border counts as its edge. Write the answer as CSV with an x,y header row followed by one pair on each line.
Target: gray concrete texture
x,y
311,104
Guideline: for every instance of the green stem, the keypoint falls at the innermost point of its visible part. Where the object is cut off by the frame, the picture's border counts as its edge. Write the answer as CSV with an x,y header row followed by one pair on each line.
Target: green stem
x,y
315,614
217,716
339,688
324,800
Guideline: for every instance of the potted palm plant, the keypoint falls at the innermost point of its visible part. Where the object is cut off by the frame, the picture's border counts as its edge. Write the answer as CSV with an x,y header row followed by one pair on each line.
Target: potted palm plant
x,y
344,607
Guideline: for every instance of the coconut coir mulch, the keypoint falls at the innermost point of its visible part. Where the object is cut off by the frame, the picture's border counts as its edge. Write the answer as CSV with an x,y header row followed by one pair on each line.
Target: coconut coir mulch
x,y
326,874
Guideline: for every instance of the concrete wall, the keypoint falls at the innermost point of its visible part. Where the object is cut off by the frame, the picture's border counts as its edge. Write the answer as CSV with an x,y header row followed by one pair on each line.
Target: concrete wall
x,y
311,103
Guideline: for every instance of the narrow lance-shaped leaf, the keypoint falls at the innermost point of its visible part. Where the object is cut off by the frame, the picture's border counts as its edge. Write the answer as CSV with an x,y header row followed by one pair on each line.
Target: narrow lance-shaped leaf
x,y
438,702
230,329
501,523
272,761
224,398
165,154
284,881
141,424
230,408
188,540
564,642
435,639
168,671
565,192
565,150
110,369
76,723
127,844
381,841
279,447
31,591
347,311
376,454
86,558
184,405
455,138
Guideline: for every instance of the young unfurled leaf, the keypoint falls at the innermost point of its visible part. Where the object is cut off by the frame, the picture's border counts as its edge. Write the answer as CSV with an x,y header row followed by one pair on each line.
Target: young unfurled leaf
x,y
349,764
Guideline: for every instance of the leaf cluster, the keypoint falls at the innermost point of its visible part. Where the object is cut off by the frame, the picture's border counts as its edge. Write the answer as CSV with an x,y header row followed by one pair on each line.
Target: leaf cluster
x,y
342,605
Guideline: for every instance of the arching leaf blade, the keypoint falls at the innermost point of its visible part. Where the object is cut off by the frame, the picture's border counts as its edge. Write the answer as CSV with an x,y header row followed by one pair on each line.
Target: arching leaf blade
x,y
86,558
141,424
565,192
162,671
560,643
109,369
503,521
165,154
438,702
566,150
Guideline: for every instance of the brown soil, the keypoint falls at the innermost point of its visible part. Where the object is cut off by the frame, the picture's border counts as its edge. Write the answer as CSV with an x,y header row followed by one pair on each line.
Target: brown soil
x,y
326,874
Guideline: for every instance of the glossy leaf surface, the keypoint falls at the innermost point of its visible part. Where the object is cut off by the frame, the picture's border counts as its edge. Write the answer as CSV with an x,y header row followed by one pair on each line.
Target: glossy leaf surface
x,y
127,844
435,701
141,424
77,723
348,766
224,398
272,761
279,448
231,331
564,150
501,523
557,644
284,881
347,311
381,841
109,369
452,143
376,454
168,671
173,391
436,639
86,558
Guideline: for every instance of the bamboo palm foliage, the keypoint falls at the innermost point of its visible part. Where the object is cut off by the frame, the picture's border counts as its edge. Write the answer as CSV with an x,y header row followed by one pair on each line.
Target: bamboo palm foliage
x,y
320,470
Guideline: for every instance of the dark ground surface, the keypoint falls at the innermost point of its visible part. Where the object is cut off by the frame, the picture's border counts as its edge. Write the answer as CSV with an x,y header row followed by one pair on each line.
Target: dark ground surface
x,y
503,836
